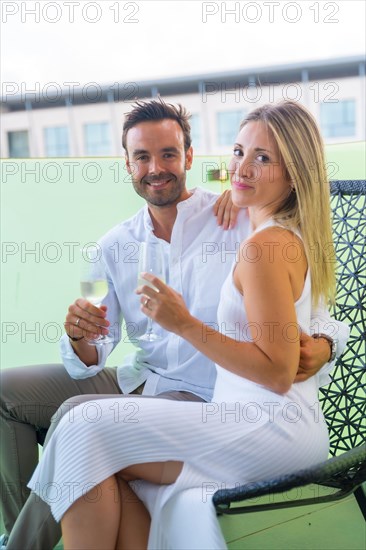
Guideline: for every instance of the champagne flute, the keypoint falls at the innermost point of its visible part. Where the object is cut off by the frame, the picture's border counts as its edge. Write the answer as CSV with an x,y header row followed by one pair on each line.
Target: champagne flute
x,y
93,283
151,260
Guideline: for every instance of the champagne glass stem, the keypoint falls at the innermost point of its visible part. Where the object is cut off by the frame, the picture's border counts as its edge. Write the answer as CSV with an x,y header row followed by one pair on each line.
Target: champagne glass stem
x,y
149,328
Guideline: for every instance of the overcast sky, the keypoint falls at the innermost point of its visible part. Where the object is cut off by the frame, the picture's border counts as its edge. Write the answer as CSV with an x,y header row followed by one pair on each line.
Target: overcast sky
x,y
108,41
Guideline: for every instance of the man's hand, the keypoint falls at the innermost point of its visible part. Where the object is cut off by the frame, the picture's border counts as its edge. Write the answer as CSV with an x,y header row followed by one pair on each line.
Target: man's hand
x,y
225,211
85,321
314,353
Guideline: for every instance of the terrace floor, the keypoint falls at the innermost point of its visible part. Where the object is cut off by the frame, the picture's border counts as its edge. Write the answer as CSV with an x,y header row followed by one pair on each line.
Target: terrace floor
x,y
333,526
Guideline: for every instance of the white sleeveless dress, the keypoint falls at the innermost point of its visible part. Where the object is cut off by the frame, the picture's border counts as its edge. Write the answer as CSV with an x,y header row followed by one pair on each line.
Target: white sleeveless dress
x,y
246,434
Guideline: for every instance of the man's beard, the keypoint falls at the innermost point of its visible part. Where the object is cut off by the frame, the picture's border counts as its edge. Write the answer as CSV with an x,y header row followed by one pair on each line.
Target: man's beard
x,y
167,196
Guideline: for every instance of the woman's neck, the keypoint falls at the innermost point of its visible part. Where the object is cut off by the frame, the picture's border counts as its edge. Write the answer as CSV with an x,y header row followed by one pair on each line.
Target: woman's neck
x,y
258,217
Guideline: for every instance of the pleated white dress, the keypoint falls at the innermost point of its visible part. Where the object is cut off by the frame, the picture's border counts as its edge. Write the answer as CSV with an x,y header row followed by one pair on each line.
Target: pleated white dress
x,y
247,433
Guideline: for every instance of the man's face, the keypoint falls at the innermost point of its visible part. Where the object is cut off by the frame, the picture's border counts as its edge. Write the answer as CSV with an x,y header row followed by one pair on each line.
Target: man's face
x,y
157,162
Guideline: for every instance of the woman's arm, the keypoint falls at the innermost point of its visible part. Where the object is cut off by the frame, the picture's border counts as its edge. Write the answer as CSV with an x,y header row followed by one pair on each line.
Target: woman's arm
x,y
270,284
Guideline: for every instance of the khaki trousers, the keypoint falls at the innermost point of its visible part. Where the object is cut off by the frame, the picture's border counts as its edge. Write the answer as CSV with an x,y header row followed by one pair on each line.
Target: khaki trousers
x,y
33,399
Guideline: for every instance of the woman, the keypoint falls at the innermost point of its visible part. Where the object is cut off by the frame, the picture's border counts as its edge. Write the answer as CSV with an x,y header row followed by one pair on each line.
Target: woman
x,y
260,423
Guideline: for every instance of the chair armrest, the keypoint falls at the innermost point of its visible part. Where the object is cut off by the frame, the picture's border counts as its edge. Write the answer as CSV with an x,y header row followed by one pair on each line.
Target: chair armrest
x,y
351,465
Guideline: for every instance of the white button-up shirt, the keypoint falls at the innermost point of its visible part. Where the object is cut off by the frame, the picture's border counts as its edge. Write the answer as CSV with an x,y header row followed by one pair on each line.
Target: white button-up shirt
x,y
197,260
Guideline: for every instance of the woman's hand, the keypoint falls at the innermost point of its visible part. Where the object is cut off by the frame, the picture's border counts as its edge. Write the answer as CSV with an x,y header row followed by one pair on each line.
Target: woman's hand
x,y
163,304
225,211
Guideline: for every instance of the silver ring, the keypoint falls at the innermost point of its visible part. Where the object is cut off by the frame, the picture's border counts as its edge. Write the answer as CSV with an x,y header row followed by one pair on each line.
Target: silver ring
x,y
146,302
77,321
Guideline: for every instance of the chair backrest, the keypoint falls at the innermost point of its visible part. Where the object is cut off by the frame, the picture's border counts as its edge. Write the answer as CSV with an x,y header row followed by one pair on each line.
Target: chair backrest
x,y
344,400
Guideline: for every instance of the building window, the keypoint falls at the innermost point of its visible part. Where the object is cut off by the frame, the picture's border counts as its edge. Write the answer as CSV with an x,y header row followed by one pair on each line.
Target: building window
x,y
228,123
18,144
338,119
195,122
97,139
56,141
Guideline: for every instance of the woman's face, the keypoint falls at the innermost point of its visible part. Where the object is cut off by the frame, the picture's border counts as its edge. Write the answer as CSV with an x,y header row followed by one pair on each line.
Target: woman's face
x,y
258,177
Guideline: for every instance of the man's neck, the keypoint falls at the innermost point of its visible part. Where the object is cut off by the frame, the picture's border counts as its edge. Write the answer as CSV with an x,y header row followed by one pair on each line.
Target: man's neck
x,y
163,222
163,219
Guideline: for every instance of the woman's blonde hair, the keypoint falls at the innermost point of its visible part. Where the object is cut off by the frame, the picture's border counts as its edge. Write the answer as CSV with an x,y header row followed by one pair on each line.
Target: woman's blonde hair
x,y
307,207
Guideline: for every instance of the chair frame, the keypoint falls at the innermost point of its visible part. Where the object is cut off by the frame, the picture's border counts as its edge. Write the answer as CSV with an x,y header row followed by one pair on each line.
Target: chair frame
x,y
343,405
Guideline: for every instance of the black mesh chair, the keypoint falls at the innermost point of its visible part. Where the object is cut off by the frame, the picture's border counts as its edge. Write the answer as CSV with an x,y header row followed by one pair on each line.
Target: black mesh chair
x,y
343,400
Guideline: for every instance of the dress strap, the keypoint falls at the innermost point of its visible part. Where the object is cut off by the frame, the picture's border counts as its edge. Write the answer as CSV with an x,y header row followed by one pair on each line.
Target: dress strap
x,y
273,223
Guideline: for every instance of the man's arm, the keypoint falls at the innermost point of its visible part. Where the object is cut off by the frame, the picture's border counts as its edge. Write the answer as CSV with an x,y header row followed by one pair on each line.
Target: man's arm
x,y
320,350
314,354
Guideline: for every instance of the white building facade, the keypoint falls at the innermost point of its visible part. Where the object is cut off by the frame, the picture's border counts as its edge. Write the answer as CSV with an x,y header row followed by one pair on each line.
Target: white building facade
x,y
86,121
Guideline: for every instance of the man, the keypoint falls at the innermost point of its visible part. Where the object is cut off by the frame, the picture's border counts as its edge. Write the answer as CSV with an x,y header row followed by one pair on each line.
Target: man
x,y
156,139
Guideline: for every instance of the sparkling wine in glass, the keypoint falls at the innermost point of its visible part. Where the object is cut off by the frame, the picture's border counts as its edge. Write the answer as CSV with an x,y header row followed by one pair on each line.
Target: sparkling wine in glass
x,y
151,260
93,283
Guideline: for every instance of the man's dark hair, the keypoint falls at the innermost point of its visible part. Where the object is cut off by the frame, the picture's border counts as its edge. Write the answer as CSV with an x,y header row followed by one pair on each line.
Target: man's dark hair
x,y
156,110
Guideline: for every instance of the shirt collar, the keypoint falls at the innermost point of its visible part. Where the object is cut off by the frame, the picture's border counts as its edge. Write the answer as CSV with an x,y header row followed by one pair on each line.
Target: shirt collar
x,y
192,203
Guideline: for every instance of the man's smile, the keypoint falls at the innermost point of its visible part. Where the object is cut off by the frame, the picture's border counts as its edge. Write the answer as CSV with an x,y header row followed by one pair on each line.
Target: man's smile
x,y
158,184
